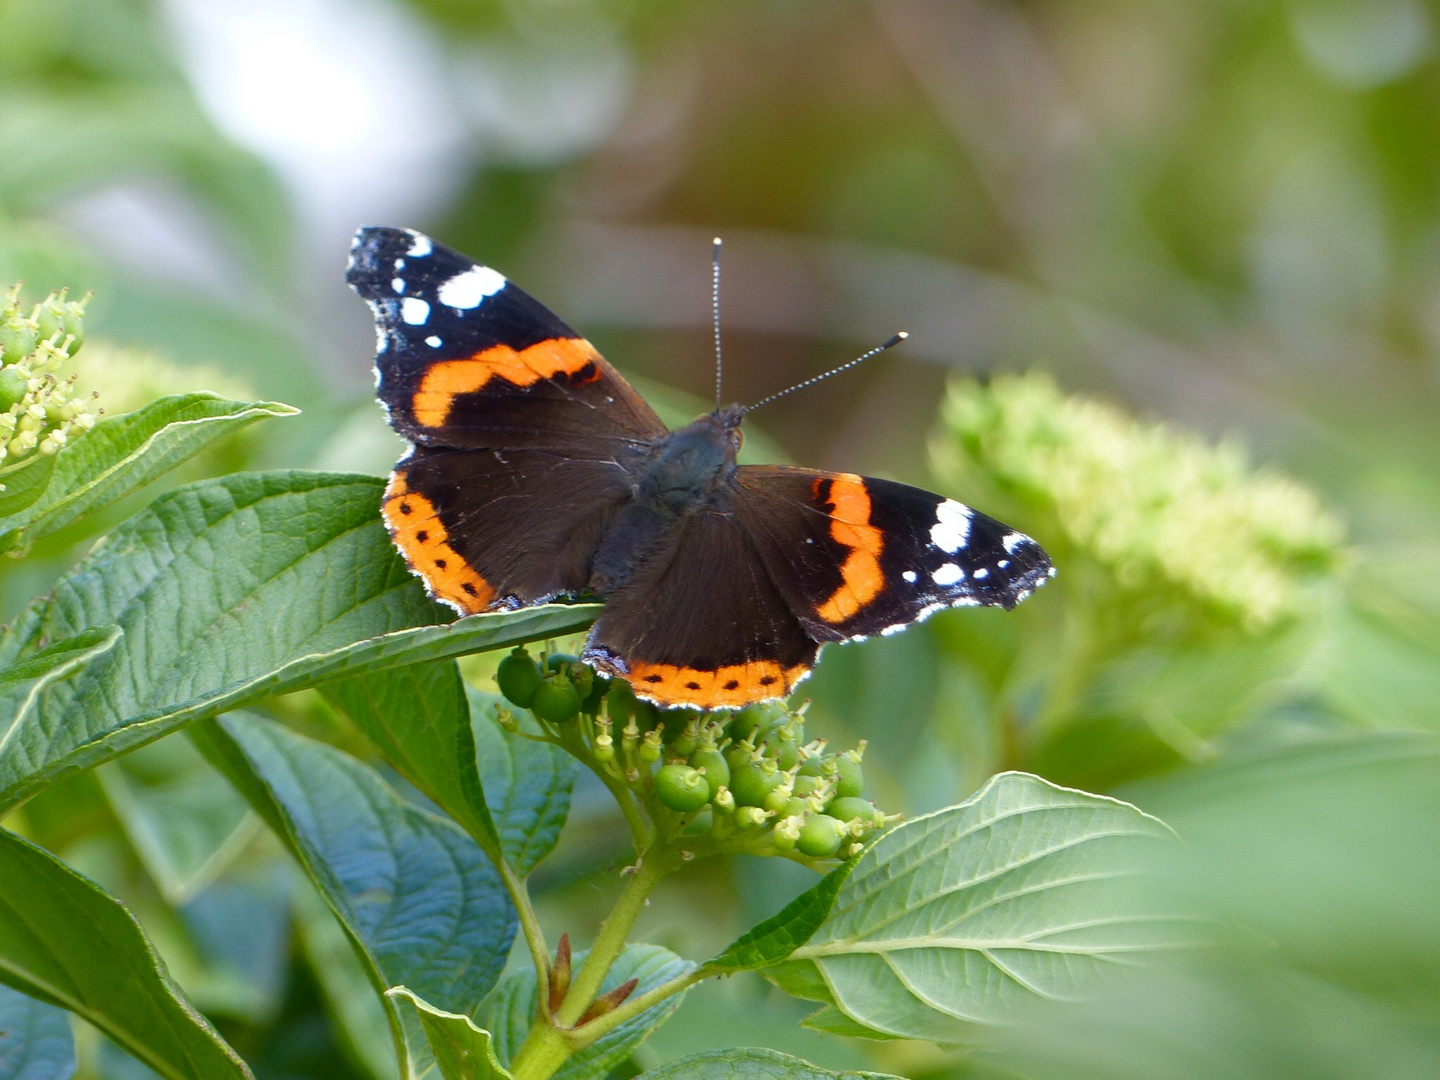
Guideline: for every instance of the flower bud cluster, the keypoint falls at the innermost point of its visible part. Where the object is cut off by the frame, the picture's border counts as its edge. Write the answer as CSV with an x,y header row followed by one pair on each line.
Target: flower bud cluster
x,y
1156,506
40,412
748,780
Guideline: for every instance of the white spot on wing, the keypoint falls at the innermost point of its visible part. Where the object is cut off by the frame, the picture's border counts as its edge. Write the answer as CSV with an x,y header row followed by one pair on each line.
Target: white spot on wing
x,y
420,244
414,311
398,285
981,573
399,264
474,285
433,341
908,575
951,530
1010,541
949,574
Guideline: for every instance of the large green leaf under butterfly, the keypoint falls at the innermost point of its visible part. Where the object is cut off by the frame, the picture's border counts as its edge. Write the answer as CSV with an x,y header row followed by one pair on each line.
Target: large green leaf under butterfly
x,y
226,591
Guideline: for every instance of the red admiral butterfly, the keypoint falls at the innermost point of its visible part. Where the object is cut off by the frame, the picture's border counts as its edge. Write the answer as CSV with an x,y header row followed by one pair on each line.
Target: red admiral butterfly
x,y
536,472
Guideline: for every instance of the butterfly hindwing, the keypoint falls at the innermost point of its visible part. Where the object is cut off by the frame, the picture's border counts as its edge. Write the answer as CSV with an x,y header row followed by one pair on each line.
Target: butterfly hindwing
x,y
468,359
500,528
702,623
856,556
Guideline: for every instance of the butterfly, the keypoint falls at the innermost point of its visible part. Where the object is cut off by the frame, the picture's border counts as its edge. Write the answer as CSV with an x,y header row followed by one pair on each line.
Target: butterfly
x,y
536,472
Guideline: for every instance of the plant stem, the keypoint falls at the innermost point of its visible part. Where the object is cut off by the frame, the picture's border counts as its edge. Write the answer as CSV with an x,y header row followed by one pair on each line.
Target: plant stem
x,y
654,864
542,1053
529,924
583,1036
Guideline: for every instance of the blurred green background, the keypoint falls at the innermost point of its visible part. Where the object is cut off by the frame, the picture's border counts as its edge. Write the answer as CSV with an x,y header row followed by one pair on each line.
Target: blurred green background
x,y
1222,215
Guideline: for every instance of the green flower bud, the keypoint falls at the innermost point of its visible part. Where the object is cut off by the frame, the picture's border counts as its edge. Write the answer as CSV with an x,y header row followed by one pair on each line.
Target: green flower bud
x,y
604,747
73,323
620,702
781,744
754,780
747,817
518,677
681,788
717,769
852,808
49,318
723,800
650,747
820,836
753,718
850,778
12,387
805,784
559,661
786,832
555,700
688,741
18,338
739,754
583,676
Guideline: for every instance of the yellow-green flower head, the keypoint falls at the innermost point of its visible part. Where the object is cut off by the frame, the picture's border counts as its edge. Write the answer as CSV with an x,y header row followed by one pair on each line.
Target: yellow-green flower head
x,y
41,412
127,378
1156,506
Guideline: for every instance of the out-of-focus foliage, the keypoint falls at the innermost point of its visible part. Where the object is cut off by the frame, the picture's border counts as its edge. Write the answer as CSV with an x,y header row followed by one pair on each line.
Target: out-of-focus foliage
x,y
1220,216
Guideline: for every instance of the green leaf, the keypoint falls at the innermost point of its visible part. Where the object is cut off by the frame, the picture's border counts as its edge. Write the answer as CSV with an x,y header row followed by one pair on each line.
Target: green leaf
x,y
23,683
774,939
750,1064
513,1009
180,816
123,453
527,784
25,485
419,719
68,943
831,1021
35,1039
228,591
462,1050
422,902
1025,891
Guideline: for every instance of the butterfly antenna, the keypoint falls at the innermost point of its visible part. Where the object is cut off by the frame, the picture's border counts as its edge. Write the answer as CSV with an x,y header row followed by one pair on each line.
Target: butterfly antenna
x,y
715,314
833,371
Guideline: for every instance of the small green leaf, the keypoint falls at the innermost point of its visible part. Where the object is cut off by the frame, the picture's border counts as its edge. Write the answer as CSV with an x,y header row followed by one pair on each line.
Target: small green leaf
x,y
35,1039
1025,891
462,1050
231,590
750,1064
513,1009
122,454
527,784
68,943
774,939
419,898
832,1021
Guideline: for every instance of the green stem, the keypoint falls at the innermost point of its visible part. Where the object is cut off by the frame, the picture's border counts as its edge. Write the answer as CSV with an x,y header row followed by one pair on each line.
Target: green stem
x,y
529,924
541,1055
654,865
583,1036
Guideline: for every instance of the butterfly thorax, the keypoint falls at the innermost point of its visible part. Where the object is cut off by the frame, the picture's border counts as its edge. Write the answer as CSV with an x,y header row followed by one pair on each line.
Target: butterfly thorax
x,y
682,473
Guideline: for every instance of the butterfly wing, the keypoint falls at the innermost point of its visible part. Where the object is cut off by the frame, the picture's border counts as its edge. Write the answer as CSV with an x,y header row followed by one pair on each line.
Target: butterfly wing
x,y
854,556
523,437
702,622
467,359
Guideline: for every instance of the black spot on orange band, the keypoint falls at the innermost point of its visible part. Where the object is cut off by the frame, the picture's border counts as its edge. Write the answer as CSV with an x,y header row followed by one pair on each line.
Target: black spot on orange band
x,y
421,537
724,688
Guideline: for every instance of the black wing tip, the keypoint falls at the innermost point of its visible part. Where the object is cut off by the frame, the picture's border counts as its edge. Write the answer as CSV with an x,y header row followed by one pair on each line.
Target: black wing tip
x,y
374,250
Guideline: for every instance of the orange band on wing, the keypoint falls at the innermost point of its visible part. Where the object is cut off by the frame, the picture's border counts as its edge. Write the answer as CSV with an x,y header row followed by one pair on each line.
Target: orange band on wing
x,y
422,539
543,360
861,578
726,688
